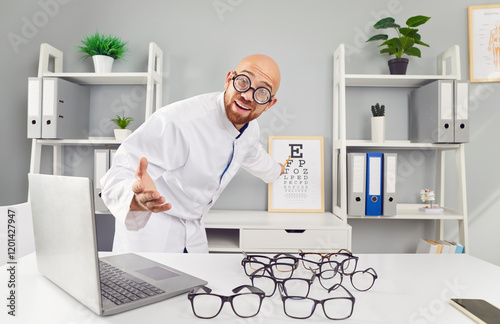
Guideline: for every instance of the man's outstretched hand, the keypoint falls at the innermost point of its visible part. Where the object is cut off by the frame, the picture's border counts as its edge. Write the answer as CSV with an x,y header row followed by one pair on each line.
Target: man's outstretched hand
x,y
145,195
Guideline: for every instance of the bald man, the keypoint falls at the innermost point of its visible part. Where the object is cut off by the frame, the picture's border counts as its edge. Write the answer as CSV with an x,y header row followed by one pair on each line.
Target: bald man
x,y
167,175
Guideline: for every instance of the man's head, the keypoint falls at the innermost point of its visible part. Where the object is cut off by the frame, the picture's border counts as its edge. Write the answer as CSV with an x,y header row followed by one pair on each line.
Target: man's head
x,y
264,75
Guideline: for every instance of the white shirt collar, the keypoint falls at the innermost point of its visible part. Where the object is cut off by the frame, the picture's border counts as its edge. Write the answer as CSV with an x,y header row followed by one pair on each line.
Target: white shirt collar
x,y
226,123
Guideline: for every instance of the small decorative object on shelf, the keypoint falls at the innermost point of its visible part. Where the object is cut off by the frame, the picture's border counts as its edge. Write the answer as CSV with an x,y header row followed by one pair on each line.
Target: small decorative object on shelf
x,y
378,123
122,122
404,43
103,50
428,195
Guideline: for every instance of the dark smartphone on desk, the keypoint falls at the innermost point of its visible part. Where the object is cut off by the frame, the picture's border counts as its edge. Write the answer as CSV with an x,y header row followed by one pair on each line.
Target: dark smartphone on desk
x,y
479,310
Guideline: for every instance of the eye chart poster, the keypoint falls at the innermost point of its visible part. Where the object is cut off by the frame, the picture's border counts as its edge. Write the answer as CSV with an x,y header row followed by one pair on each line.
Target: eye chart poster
x,y
301,188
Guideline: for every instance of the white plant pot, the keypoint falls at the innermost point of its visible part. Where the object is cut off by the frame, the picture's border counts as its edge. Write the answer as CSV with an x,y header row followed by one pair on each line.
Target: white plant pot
x,y
121,134
102,63
378,129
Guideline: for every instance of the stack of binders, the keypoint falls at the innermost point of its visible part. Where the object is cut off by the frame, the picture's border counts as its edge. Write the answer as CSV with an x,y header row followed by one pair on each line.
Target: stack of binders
x,y
439,113
57,109
439,247
371,184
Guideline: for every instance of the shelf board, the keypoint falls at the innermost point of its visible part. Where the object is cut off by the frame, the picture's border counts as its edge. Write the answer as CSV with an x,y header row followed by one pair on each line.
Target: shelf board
x,y
89,141
248,219
115,78
410,211
388,80
399,145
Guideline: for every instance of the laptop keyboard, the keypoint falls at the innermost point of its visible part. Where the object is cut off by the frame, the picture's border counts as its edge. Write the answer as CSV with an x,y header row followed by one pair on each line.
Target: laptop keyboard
x,y
121,287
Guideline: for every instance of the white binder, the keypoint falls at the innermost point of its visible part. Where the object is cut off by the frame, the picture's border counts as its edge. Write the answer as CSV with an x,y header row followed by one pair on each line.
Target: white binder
x,y
461,112
389,195
101,166
34,108
431,114
356,183
65,109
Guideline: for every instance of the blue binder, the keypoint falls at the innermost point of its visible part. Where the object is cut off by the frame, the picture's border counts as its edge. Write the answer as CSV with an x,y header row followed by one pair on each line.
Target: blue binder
x,y
374,169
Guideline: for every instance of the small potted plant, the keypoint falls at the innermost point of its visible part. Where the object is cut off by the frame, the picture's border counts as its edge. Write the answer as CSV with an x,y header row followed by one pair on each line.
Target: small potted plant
x,y
103,49
122,122
378,123
403,43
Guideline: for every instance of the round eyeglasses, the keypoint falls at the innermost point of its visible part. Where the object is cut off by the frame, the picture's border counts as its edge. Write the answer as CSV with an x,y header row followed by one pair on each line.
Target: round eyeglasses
x,y
242,83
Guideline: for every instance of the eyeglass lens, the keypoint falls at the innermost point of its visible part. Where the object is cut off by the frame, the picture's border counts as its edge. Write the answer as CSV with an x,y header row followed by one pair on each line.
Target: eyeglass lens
x,y
206,306
362,280
209,306
242,84
330,278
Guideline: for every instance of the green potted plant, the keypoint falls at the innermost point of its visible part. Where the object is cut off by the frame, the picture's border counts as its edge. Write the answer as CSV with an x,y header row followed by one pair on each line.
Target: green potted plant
x,y
378,123
103,49
404,43
122,122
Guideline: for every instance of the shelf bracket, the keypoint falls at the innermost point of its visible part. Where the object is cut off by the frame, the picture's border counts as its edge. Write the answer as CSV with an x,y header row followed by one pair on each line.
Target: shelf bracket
x,y
48,52
451,55
155,79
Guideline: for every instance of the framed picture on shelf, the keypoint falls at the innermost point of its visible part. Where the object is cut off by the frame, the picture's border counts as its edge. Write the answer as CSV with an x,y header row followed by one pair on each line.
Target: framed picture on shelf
x,y
484,43
301,188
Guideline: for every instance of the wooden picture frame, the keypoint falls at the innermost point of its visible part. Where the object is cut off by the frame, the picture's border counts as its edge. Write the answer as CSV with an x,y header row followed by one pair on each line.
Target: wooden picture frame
x,y
484,43
302,187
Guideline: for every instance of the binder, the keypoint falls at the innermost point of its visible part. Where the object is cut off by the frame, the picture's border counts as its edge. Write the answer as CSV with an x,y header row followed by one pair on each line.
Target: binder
x,y
101,166
389,194
426,246
431,113
356,183
65,109
34,108
374,184
461,112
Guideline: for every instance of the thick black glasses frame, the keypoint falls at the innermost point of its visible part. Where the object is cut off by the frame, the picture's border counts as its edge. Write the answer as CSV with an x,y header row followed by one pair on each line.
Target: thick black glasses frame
x,y
207,291
280,282
316,302
250,87
265,263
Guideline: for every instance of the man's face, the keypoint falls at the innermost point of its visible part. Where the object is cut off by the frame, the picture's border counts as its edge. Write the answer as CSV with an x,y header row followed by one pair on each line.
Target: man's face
x,y
240,107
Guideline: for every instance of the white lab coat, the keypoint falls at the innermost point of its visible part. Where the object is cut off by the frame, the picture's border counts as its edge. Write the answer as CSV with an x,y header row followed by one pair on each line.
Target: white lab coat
x,y
188,145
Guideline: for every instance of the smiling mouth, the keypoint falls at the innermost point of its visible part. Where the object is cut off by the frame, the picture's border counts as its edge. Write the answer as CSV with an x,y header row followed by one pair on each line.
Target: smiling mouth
x,y
241,106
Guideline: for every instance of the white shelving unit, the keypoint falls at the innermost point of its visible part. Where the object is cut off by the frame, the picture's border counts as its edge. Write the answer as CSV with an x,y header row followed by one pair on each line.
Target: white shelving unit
x,y
341,145
228,230
152,79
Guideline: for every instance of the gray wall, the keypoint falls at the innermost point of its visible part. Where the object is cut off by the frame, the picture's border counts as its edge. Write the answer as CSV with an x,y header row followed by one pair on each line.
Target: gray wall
x,y
204,39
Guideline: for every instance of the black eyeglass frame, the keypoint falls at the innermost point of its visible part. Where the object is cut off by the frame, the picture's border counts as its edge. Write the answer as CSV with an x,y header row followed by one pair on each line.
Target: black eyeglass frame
x,y
281,282
340,275
321,302
269,268
326,259
250,87
207,291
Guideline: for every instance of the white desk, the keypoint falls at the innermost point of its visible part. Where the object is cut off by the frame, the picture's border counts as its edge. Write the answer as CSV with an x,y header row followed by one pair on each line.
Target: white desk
x,y
411,289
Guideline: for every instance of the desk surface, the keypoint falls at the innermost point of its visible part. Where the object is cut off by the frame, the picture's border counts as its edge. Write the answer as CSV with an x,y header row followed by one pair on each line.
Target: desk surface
x,y
412,288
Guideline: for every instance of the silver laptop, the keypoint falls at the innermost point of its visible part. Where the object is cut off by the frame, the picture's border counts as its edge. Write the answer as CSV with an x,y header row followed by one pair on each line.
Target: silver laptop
x,y
66,251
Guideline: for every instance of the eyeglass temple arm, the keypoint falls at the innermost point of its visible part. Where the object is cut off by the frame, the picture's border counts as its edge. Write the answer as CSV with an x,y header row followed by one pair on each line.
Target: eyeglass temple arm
x,y
204,288
372,270
252,289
